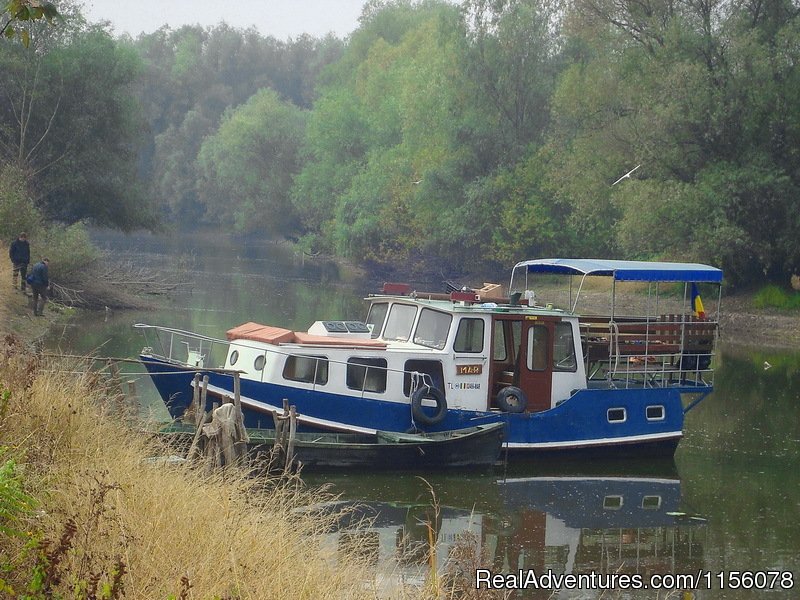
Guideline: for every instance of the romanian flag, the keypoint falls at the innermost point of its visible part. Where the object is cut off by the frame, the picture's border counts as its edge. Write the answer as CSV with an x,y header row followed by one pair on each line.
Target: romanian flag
x,y
697,303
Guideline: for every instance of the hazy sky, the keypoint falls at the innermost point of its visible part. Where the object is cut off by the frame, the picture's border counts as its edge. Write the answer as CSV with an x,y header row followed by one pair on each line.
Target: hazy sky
x,y
279,18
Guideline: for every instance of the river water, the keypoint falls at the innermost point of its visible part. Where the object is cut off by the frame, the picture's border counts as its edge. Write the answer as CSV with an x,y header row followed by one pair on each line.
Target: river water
x,y
727,508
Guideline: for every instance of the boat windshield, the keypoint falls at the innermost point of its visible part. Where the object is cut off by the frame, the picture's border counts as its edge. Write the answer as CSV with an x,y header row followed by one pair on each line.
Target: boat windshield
x,y
399,322
432,328
376,317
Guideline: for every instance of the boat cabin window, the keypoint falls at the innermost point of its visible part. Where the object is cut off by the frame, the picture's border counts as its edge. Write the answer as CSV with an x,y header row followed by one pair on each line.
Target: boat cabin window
x,y
234,357
399,322
306,369
367,374
564,348
376,317
432,328
537,348
259,363
507,336
499,350
469,337
420,368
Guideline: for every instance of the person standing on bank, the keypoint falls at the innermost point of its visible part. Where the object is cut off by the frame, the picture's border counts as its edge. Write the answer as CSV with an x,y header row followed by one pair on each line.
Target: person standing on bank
x,y
40,282
20,254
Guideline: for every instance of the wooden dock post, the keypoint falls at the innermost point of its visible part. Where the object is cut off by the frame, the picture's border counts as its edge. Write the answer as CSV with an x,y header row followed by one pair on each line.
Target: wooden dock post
x,y
132,407
190,414
224,435
237,391
113,377
203,396
194,448
290,446
132,390
277,446
242,438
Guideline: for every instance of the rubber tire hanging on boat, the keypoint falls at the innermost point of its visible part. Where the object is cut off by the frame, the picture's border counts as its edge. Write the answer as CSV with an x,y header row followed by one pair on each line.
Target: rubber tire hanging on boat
x,y
427,392
512,400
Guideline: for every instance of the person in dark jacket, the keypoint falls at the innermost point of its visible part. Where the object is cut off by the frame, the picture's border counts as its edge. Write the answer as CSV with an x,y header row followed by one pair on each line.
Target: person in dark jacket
x,y
20,255
40,282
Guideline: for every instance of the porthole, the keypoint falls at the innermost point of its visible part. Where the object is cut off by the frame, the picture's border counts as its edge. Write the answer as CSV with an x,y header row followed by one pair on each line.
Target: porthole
x,y
259,362
617,415
655,412
234,357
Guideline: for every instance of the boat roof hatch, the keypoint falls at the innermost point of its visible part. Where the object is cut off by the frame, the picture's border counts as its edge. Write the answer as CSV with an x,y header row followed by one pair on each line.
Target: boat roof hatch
x,y
625,270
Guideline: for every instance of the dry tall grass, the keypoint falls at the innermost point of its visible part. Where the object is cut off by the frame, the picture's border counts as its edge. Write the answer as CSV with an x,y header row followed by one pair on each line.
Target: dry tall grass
x,y
109,524
153,531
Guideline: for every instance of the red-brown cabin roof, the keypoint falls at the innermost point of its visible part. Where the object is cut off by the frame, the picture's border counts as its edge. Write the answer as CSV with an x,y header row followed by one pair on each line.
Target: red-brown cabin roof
x,y
277,335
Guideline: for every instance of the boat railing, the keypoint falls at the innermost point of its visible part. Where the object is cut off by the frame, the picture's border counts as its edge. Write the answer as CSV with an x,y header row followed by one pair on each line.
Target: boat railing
x,y
182,347
650,351
186,348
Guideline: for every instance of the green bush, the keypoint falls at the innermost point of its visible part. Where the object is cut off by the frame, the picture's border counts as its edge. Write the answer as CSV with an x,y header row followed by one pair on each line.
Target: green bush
x,y
17,211
67,246
773,296
69,249
14,502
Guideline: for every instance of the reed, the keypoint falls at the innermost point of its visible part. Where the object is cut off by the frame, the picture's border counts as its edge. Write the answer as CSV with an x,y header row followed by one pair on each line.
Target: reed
x,y
110,524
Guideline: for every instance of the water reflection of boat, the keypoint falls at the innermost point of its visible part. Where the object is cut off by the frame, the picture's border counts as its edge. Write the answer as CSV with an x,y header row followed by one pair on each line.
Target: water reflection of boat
x,y
567,524
599,502
606,524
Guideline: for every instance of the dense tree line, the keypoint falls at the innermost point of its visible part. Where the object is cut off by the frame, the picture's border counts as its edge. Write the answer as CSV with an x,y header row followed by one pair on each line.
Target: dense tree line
x,y
451,135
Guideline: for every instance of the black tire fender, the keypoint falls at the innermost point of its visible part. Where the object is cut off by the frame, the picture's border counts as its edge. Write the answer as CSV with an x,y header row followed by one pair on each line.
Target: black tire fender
x,y
511,399
427,392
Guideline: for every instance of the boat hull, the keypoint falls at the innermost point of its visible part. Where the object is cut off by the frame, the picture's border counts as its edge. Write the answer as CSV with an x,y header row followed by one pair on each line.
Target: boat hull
x,y
469,448
577,428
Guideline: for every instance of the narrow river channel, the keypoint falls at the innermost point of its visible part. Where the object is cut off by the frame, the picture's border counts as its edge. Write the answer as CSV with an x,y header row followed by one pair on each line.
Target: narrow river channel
x,y
727,508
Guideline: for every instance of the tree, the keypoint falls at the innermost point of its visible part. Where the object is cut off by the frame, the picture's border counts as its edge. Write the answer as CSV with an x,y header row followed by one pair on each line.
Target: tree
x,y
192,76
511,56
17,12
698,93
248,165
383,126
68,120
175,177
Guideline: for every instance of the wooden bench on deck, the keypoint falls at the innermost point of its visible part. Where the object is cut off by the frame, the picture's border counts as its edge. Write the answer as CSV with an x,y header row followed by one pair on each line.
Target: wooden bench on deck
x,y
657,341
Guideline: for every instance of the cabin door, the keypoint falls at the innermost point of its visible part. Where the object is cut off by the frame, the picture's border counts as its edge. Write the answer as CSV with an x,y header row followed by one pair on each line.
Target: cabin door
x,y
522,357
535,366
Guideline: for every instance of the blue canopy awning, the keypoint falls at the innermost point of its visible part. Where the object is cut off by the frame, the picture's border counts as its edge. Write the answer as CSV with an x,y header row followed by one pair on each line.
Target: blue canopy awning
x,y
625,270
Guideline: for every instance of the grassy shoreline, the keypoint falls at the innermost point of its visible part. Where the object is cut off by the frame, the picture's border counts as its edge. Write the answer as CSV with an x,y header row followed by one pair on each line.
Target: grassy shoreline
x,y
85,516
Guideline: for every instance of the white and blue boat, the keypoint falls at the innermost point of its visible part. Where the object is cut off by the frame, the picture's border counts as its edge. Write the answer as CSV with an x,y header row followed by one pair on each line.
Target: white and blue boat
x,y
613,377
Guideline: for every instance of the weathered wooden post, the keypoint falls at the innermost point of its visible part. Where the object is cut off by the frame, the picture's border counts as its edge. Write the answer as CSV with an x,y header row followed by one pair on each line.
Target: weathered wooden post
x,y
226,437
133,399
278,446
190,414
114,380
203,396
132,390
194,449
292,433
241,438
237,391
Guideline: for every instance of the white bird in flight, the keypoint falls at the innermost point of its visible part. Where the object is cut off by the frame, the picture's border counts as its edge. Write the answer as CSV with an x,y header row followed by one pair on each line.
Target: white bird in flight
x,y
628,174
